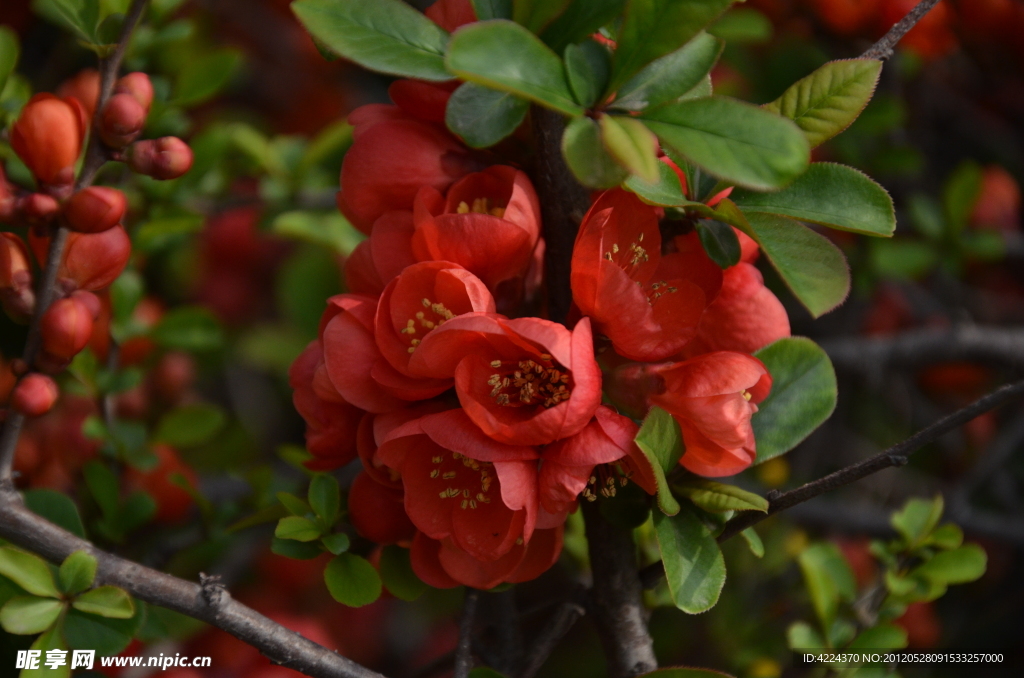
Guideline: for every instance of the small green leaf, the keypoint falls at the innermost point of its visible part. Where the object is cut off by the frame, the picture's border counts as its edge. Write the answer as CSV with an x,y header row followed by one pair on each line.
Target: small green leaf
x,y
9,52
330,229
960,194
743,25
733,140
161,233
78,16
398,576
387,36
694,565
77,573
297,529
535,15
189,328
754,542
204,76
336,543
587,157
50,640
717,497
825,102
503,55
661,442
803,395
832,195
29,615
296,550
671,77
812,267
56,507
801,636
325,498
881,637
580,20
587,65
902,259
492,9
632,145
352,580
104,487
126,291
295,506
926,216
959,566
481,116
28,571
108,636
191,425
828,578
106,601
666,191
916,520
720,242
948,536
270,514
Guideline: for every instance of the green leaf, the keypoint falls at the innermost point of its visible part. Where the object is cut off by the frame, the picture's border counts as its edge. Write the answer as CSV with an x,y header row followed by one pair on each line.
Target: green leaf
x,y
671,77
720,242
189,328
270,514
107,636
50,640
325,497
28,571
587,157
960,194
387,36
717,497
742,25
586,66
801,636
330,229
694,565
881,637
654,28
948,536
811,266
907,259
503,55
926,216
535,15
295,506
78,16
191,425
632,145
580,20
106,601
29,615
661,442
803,395
126,292
336,543
9,52
56,507
104,487
204,76
825,102
832,195
828,578
295,549
959,566
667,190
398,576
733,140
492,9
753,540
77,572
159,234
481,116
916,520
352,580
297,529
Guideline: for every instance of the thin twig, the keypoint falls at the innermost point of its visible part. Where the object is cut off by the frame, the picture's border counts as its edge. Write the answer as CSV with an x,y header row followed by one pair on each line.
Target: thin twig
x,y
884,47
464,651
558,624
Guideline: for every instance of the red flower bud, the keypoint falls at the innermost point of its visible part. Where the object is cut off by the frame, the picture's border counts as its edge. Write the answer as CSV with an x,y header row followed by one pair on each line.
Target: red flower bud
x,y
8,198
95,209
91,260
39,208
164,158
65,328
16,294
91,302
122,120
48,137
34,395
138,86
85,87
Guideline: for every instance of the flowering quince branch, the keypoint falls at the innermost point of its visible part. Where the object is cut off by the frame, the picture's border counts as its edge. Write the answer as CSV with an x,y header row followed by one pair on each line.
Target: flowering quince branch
x,y
464,651
883,49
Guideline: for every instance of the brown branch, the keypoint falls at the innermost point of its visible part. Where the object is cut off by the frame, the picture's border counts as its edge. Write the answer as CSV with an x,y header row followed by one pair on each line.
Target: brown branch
x,y
884,47
464,651
558,624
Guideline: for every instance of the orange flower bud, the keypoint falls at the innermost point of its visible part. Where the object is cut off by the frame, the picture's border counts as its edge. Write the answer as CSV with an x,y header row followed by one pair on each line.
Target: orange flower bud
x,y
122,120
39,208
137,85
91,302
65,328
16,294
91,260
85,87
95,209
34,395
164,158
48,137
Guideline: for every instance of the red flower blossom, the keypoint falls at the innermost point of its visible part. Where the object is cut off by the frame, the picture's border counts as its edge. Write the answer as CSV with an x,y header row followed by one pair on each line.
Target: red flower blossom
x,y
383,256
644,303
713,396
331,422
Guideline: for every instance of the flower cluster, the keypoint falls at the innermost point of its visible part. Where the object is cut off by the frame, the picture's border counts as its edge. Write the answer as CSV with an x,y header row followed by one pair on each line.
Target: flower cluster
x,y
479,428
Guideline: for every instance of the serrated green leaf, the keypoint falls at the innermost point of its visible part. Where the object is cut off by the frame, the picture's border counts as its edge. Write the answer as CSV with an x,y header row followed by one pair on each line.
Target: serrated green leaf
x,y
481,116
9,52
666,191
535,15
733,140
587,157
720,242
717,497
397,574
503,55
352,580
812,267
28,571
832,195
581,19
336,543
587,66
204,76
106,601
916,520
825,102
56,507
828,578
325,498
661,442
803,395
632,145
958,566
297,529
881,637
29,615
492,9
77,572
191,425
694,565
671,77
754,542
387,36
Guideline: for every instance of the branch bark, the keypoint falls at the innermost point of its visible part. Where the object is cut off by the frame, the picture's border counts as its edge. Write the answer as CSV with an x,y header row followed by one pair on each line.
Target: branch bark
x,y
464,651
884,47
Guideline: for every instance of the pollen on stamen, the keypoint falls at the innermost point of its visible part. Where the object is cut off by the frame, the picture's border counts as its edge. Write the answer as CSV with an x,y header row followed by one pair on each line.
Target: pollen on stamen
x,y
495,363
448,475
434,473
437,459
747,396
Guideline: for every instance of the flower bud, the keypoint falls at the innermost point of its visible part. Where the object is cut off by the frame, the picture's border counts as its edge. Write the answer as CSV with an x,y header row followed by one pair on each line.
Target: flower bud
x,y
39,209
122,120
138,86
8,198
48,137
34,395
16,294
65,328
85,87
91,260
95,209
164,158
90,301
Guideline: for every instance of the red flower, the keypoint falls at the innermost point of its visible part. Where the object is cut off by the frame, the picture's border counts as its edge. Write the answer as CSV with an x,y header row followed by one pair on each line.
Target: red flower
x,y
424,100
16,294
383,256
48,137
331,422
713,397
646,304
377,512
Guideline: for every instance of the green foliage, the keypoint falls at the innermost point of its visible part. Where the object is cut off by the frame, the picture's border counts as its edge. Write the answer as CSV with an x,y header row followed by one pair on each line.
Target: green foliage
x,y
481,116
77,573
28,571
325,498
164,232
742,25
9,52
189,328
492,9
587,157
667,190
694,565
106,601
107,635
719,241
56,507
297,529
587,67
190,425
632,145
535,15
50,640
753,540
670,78
29,615
581,19
829,580
205,76
397,574
917,519
352,580
661,441
329,229
717,497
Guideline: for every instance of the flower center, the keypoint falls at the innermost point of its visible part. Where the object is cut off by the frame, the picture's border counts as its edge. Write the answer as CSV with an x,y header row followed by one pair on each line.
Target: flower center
x,y
432,315
466,480
659,289
529,382
480,206
631,258
606,480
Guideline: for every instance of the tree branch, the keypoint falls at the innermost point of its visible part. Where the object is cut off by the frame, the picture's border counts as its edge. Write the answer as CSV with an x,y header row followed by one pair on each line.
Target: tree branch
x,y
884,47
464,651
558,624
